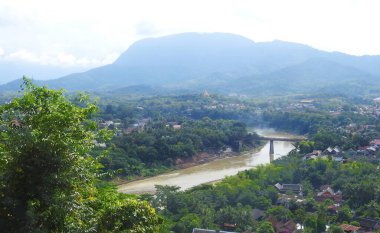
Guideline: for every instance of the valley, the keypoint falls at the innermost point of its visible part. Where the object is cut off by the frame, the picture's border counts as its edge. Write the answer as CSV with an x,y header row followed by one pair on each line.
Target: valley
x,y
169,138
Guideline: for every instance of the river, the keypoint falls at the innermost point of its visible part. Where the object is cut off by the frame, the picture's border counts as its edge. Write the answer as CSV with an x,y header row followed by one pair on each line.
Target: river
x,y
214,170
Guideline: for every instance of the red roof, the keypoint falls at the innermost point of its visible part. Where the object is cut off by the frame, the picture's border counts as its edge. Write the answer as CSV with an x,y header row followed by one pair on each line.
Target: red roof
x,y
349,228
375,142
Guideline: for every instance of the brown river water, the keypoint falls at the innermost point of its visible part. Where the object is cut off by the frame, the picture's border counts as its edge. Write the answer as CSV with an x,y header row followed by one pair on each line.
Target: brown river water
x,y
214,170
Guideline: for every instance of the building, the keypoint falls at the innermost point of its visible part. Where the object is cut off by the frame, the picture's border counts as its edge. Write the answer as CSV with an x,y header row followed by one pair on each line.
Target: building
x,y
368,224
294,188
375,142
198,230
177,127
349,228
328,193
283,227
332,151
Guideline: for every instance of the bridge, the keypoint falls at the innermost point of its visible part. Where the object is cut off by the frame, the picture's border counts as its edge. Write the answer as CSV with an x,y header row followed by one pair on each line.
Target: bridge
x,y
272,139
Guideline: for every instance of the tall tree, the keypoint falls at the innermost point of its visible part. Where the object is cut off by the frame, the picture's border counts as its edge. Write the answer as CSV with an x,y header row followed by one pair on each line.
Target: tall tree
x,y
47,178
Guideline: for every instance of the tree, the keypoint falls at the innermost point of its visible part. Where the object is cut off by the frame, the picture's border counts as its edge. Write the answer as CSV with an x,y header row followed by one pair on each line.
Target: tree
x,y
47,178
280,213
163,195
344,214
265,227
187,223
306,146
335,229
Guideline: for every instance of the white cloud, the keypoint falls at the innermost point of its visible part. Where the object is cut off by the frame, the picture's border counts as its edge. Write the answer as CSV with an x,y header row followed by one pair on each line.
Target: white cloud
x,y
65,58
61,59
2,52
87,33
23,55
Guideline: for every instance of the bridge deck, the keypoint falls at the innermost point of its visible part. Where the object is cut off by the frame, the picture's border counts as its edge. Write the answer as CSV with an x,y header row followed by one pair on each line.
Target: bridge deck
x,y
282,139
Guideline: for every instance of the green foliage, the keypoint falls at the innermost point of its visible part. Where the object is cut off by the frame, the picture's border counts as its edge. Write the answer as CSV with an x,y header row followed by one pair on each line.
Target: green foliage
x,y
344,214
280,213
265,227
232,200
117,213
187,223
239,215
335,229
158,145
355,223
306,146
47,177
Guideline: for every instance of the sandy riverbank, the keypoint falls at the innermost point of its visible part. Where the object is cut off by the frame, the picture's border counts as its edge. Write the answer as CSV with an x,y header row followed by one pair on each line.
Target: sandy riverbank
x,y
196,160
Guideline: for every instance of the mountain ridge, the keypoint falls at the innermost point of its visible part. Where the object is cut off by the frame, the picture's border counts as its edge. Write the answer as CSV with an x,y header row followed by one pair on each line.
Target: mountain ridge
x,y
186,60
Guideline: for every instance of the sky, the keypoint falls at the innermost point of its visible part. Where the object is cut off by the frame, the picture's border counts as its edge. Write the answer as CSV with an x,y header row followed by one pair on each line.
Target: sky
x,y
85,34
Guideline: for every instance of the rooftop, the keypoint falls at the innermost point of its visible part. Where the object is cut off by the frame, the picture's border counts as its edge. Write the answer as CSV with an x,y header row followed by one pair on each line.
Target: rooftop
x,y
198,230
349,228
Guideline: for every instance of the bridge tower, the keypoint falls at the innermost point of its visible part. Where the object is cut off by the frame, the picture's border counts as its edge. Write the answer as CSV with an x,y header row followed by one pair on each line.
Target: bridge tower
x,y
271,144
271,151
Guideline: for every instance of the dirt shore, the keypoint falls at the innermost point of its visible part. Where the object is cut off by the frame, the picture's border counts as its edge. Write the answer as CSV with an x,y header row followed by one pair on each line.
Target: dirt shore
x,y
198,159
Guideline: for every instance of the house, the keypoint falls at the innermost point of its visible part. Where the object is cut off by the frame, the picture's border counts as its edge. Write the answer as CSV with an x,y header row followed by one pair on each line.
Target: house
x,y
328,193
349,228
313,155
332,151
328,150
316,152
176,127
368,224
294,188
371,150
108,123
105,124
283,227
333,209
97,144
286,200
339,159
307,157
198,230
375,142
229,226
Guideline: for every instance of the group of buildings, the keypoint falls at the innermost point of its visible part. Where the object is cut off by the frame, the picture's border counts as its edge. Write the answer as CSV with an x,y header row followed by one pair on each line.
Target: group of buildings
x,y
336,154
295,193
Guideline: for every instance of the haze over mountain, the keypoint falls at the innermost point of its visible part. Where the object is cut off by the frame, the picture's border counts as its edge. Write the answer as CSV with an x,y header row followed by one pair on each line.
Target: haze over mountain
x,y
11,70
225,63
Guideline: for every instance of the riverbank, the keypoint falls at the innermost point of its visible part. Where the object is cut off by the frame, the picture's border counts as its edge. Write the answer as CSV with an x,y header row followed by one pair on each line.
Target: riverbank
x,y
217,169
196,160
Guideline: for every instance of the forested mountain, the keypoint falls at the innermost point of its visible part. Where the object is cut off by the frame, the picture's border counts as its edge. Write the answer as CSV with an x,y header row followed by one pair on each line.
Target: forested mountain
x,y
226,63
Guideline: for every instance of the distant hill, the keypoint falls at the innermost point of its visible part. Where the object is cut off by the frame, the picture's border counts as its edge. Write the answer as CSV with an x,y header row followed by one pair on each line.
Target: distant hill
x,y
11,70
225,63
314,75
